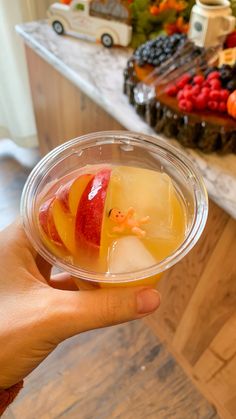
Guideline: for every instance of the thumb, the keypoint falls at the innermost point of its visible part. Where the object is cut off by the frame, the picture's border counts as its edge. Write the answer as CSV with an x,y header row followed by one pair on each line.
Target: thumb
x,y
80,311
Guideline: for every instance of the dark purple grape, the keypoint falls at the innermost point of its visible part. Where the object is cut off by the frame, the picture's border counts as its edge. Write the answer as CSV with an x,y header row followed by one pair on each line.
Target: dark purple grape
x,y
226,67
226,75
234,69
210,70
231,85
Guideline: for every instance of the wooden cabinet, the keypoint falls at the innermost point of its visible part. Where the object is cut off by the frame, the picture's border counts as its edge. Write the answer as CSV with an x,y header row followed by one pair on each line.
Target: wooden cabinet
x,y
62,111
197,317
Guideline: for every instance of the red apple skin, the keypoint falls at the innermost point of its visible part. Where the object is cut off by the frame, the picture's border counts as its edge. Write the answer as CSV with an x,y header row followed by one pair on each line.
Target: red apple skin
x,y
64,192
89,215
63,195
46,221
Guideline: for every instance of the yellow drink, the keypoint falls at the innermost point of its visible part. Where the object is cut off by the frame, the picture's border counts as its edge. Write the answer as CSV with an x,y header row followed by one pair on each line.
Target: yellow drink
x,y
114,208
151,194
113,219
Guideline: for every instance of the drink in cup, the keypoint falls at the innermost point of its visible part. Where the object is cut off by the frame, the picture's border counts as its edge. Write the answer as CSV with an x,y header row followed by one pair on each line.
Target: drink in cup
x,y
114,208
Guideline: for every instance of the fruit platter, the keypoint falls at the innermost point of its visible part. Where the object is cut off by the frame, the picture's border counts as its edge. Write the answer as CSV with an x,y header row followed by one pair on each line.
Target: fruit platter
x,y
196,106
184,85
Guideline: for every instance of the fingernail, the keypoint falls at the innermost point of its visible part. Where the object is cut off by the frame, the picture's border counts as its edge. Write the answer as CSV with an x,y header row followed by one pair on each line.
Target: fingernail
x,y
148,300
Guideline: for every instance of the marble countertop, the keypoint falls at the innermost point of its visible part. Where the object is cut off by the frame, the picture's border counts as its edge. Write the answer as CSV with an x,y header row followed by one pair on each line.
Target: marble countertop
x,y
98,72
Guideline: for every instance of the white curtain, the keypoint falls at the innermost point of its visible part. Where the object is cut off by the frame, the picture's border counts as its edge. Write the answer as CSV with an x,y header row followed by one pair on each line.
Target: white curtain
x,y
16,111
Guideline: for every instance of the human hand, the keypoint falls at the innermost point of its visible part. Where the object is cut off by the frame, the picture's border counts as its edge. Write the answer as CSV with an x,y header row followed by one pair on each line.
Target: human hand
x,y
38,312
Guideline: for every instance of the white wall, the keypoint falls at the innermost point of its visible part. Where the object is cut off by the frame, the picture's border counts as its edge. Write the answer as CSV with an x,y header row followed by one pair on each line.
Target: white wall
x,y
16,111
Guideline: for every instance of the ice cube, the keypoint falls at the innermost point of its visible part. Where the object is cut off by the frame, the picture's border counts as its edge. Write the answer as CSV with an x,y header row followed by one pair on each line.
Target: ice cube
x,y
149,192
129,254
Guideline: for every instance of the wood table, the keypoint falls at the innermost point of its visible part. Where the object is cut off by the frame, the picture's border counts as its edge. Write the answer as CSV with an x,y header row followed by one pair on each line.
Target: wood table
x,y
197,318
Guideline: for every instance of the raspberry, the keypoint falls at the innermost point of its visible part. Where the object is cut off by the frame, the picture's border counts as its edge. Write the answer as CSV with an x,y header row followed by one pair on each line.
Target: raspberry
x,y
188,94
200,102
185,105
183,80
213,75
198,80
215,84
213,105
171,90
205,84
181,84
187,87
185,77
206,91
222,107
215,95
180,95
231,40
196,89
224,94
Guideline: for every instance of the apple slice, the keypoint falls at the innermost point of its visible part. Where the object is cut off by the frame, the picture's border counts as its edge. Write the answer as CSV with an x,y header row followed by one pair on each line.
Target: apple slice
x,y
47,222
65,225
89,215
76,191
62,195
70,193
129,254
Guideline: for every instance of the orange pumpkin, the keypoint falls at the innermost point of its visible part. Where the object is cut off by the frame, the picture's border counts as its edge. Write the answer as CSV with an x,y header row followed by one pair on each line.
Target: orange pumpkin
x,y
231,104
154,10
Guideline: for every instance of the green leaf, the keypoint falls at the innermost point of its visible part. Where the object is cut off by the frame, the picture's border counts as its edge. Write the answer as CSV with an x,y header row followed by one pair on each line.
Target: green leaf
x,y
187,12
233,6
138,39
166,16
159,32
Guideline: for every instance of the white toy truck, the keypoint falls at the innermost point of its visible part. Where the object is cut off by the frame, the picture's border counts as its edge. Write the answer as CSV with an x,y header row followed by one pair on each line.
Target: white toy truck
x,y
76,17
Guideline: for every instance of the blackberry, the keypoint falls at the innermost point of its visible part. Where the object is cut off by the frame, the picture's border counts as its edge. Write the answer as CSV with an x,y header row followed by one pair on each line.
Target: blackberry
x,y
231,85
226,67
210,70
226,74
234,69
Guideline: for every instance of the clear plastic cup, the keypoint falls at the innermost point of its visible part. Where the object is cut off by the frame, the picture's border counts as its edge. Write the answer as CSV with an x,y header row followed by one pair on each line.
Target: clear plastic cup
x,y
116,148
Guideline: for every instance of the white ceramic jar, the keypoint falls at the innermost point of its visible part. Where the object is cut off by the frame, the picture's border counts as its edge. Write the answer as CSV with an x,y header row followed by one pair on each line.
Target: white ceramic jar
x,y
211,21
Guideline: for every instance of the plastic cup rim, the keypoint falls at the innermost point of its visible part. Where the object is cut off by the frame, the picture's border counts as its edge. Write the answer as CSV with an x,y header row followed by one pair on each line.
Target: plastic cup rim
x,y
55,156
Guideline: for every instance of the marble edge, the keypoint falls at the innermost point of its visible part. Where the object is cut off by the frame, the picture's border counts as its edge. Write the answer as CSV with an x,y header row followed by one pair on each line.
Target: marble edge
x,y
93,93
74,77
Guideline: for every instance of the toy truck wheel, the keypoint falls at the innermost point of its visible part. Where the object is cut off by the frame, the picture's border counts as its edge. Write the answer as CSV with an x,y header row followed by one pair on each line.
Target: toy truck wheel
x,y
107,40
58,27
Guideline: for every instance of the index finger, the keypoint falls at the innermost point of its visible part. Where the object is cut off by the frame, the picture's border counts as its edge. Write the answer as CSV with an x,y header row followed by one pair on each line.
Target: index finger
x,y
14,235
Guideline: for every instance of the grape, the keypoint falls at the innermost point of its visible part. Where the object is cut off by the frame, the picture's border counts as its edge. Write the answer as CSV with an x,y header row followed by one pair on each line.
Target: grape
x,y
231,85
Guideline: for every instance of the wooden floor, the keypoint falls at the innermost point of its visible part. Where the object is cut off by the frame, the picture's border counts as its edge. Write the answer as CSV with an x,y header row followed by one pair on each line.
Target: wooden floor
x,y
12,179
122,372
